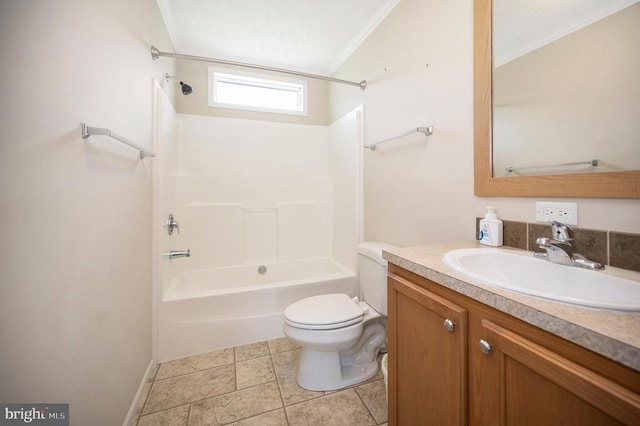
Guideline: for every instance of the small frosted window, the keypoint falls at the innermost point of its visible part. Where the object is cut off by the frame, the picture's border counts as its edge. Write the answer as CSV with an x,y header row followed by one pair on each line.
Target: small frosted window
x,y
249,92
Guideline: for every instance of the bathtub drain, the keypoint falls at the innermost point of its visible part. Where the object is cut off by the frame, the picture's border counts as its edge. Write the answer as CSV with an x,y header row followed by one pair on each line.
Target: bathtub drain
x,y
262,269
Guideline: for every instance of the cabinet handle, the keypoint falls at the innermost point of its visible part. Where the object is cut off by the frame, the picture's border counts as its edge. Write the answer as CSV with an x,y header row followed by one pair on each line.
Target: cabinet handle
x,y
485,347
449,325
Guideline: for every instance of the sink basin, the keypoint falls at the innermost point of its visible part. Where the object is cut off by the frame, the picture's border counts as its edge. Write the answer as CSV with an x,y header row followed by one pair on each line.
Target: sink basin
x,y
523,273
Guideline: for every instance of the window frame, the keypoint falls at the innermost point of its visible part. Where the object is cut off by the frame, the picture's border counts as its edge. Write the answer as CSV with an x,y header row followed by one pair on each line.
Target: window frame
x,y
269,80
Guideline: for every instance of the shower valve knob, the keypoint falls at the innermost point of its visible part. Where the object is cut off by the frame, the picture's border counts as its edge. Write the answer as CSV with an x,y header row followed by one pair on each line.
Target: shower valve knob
x,y
172,224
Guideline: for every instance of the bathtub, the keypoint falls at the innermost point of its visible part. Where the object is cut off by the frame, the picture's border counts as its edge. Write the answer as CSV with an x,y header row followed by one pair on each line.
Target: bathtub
x,y
217,308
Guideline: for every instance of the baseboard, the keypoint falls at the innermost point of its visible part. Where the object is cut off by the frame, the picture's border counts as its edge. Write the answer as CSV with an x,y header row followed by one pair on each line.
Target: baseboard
x,y
136,398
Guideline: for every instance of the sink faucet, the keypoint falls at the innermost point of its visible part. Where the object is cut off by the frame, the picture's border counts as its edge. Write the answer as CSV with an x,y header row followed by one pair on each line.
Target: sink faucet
x,y
561,249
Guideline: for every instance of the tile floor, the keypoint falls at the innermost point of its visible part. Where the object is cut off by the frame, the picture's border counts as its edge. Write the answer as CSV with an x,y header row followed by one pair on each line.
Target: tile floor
x,y
252,385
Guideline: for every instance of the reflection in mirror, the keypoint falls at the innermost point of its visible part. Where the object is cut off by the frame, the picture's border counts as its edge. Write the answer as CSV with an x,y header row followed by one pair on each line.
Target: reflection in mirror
x,y
566,91
615,184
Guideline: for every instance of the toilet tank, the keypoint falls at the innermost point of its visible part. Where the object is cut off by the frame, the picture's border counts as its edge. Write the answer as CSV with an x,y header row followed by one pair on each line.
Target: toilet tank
x,y
373,274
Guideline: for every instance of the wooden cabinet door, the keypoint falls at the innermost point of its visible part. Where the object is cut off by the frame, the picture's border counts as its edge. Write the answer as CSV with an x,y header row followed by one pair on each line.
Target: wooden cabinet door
x,y
427,337
526,384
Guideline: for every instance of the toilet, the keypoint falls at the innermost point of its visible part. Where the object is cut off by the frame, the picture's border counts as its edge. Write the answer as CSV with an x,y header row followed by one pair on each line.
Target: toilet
x,y
341,336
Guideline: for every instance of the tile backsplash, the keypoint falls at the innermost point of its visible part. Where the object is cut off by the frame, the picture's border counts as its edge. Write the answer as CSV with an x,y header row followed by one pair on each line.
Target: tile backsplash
x,y
618,249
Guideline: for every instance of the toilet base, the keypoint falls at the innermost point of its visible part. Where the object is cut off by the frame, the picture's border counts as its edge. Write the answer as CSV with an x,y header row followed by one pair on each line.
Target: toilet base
x,y
331,370
323,371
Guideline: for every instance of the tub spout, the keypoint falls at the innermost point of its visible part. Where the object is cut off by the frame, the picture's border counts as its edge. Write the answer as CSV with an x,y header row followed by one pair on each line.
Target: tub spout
x,y
173,254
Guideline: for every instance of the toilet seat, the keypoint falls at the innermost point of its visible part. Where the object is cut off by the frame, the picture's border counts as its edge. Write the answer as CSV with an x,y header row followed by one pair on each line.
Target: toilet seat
x,y
324,312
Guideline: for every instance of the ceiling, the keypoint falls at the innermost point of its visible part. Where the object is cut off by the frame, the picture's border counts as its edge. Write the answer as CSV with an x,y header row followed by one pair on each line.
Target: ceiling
x,y
521,26
313,36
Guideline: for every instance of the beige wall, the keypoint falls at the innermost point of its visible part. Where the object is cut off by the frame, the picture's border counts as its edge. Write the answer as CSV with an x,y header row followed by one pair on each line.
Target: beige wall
x,y
420,190
196,74
75,251
575,99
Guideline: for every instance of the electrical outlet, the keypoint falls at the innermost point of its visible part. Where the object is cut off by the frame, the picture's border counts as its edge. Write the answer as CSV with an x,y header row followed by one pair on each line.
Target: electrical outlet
x,y
548,211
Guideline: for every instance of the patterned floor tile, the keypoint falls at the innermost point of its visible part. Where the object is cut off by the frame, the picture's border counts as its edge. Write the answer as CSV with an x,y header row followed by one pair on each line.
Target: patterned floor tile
x,y
254,372
374,396
274,418
286,366
195,363
173,417
192,387
236,406
203,414
253,350
252,385
341,408
282,344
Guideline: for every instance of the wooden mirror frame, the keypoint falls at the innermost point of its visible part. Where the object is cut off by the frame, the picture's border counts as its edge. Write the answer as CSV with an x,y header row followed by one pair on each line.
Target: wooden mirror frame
x,y
583,185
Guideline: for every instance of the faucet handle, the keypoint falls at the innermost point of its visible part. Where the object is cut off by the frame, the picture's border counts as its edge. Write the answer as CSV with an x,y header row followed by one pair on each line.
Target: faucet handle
x,y
561,232
172,224
541,241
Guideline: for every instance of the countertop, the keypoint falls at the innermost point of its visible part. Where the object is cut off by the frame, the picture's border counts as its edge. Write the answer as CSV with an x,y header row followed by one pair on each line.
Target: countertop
x,y
613,334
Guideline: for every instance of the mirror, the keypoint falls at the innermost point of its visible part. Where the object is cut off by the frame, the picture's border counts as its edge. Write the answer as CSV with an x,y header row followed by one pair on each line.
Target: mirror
x,y
566,92
582,183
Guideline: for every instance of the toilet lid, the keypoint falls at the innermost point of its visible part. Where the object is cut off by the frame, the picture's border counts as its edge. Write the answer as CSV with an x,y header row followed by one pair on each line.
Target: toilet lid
x,y
324,312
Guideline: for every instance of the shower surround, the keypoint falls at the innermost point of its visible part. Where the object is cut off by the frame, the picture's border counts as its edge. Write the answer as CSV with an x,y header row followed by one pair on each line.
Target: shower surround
x,y
248,190
246,194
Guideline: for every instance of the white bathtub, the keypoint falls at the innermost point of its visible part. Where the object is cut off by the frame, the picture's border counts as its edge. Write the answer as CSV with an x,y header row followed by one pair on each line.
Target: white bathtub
x,y
211,309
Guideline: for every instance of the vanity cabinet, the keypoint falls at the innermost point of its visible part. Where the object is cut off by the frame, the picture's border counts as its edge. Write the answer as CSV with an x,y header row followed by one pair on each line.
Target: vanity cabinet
x,y
492,368
427,339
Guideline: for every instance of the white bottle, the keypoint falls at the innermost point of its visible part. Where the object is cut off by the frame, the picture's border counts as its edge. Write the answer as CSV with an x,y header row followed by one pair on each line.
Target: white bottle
x,y
490,228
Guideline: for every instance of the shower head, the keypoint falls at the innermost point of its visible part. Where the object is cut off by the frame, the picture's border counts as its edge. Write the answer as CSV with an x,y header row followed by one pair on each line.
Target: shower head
x,y
186,89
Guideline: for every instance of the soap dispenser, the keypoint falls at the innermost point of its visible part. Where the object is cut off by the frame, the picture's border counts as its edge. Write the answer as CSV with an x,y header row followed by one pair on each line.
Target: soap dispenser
x,y
491,228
